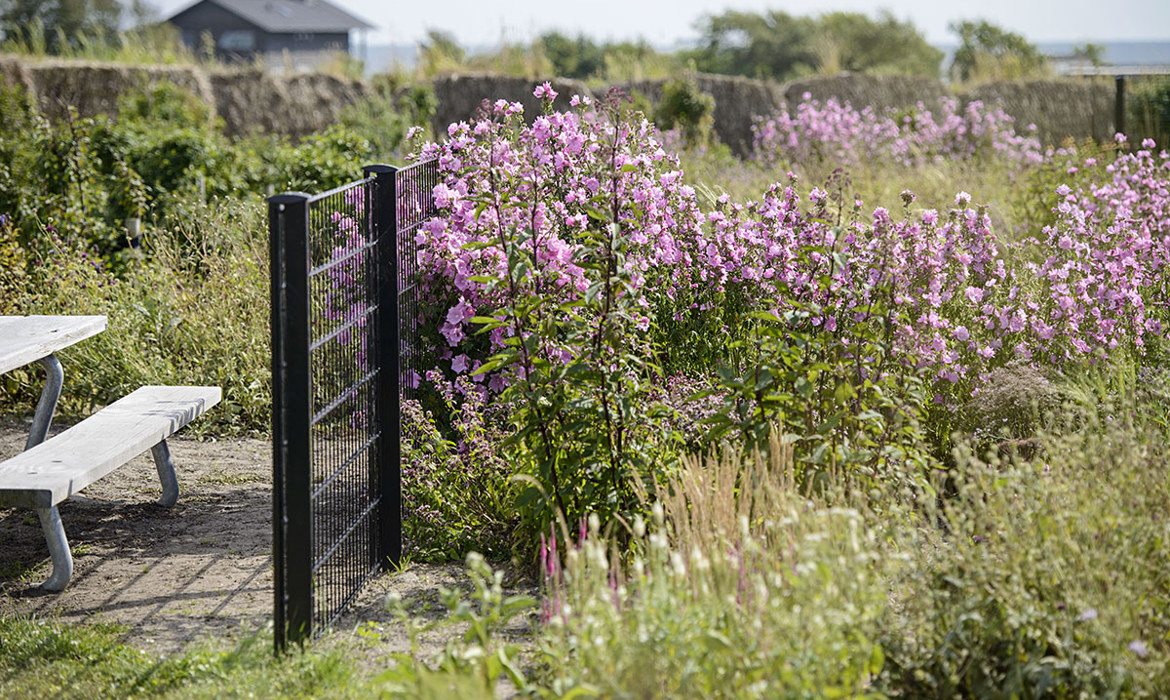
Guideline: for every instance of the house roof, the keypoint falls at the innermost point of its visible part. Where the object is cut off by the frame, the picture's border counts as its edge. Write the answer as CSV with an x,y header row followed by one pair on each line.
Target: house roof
x,y
288,16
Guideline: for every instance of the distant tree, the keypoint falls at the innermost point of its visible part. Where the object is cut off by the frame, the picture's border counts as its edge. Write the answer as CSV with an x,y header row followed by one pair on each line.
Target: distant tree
x,y
573,58
440,51
772,45
1093,53
60,21
778,45
988,51
638,61
859,44
685,107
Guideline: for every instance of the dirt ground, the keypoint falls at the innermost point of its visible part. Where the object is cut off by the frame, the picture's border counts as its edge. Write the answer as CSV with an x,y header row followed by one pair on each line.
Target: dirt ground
x,y
201,570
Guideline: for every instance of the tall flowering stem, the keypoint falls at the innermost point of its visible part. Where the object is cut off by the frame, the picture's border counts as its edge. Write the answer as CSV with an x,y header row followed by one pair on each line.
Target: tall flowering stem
x,y
538,263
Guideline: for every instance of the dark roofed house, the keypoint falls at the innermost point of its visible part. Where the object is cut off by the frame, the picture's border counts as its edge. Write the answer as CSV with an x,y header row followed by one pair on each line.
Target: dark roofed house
x,y
278,32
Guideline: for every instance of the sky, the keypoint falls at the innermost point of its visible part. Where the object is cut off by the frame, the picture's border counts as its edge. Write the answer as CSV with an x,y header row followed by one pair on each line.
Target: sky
x,y
665,22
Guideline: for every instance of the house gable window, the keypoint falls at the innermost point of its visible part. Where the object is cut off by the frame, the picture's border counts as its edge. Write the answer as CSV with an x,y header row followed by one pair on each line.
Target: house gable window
x,y
237,40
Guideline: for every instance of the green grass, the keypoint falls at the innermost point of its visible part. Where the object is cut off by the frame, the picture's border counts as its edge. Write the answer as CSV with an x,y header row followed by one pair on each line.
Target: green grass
x,y
49,658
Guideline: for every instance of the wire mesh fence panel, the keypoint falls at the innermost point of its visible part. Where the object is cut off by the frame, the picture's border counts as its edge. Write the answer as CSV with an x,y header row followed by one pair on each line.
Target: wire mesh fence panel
x,y
345,497
344,335
413,206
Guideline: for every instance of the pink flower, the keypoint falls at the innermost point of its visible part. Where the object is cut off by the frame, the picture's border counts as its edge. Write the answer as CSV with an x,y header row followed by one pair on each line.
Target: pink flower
x,y
459,364
453,333
544,91
1018,321
974,294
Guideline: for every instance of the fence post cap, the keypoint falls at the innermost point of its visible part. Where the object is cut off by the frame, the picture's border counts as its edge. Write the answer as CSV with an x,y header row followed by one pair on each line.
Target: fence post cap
x,y
378,169
288,198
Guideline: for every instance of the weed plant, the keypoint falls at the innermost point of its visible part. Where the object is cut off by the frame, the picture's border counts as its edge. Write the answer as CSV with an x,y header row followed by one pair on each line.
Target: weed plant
x,y
1048,579
192,310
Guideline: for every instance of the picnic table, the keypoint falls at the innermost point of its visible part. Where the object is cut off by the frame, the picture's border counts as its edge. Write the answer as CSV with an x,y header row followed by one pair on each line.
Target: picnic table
x,y
28,339
49,471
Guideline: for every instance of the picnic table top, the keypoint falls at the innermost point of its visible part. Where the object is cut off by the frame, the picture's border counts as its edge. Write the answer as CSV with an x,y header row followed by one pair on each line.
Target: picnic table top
x,y
25,339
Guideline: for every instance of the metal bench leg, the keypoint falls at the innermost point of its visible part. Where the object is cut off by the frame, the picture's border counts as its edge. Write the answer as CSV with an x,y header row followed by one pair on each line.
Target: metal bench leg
x,y
54,378
166,474
58,549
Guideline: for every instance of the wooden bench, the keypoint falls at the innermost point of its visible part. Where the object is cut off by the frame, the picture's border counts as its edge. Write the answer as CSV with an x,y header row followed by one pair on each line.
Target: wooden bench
x,y
50,472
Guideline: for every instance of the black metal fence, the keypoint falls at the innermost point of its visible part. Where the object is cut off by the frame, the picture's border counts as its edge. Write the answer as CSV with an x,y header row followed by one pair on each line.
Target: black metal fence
x,y
344,323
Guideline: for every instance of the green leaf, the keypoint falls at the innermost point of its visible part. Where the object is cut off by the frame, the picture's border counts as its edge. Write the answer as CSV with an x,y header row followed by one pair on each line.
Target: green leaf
x,y
876,660
527,496
830,423
489,366
844,392
581,691
764,381
716,641
597,214
493,667
764,316
511,669
516,604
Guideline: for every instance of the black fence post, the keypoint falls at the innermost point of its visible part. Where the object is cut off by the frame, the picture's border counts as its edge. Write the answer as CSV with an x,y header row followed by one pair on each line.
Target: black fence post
x,y
388,389
288,227
1119,107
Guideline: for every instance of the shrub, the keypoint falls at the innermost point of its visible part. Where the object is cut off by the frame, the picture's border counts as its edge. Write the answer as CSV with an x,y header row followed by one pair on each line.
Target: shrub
x,y
1010,402
536,247
1046,580
1149,109
457,494
684,107
385,117
193,310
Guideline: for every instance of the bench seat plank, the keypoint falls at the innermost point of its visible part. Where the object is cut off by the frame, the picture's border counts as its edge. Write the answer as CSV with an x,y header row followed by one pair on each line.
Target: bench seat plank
x,y
49,473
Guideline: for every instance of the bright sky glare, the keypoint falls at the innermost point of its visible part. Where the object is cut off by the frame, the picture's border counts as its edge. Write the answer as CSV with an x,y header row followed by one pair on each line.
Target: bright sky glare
x,y
663,22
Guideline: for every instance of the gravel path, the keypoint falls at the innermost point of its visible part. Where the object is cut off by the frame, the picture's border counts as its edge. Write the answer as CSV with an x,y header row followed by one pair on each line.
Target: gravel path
x,y
202,569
